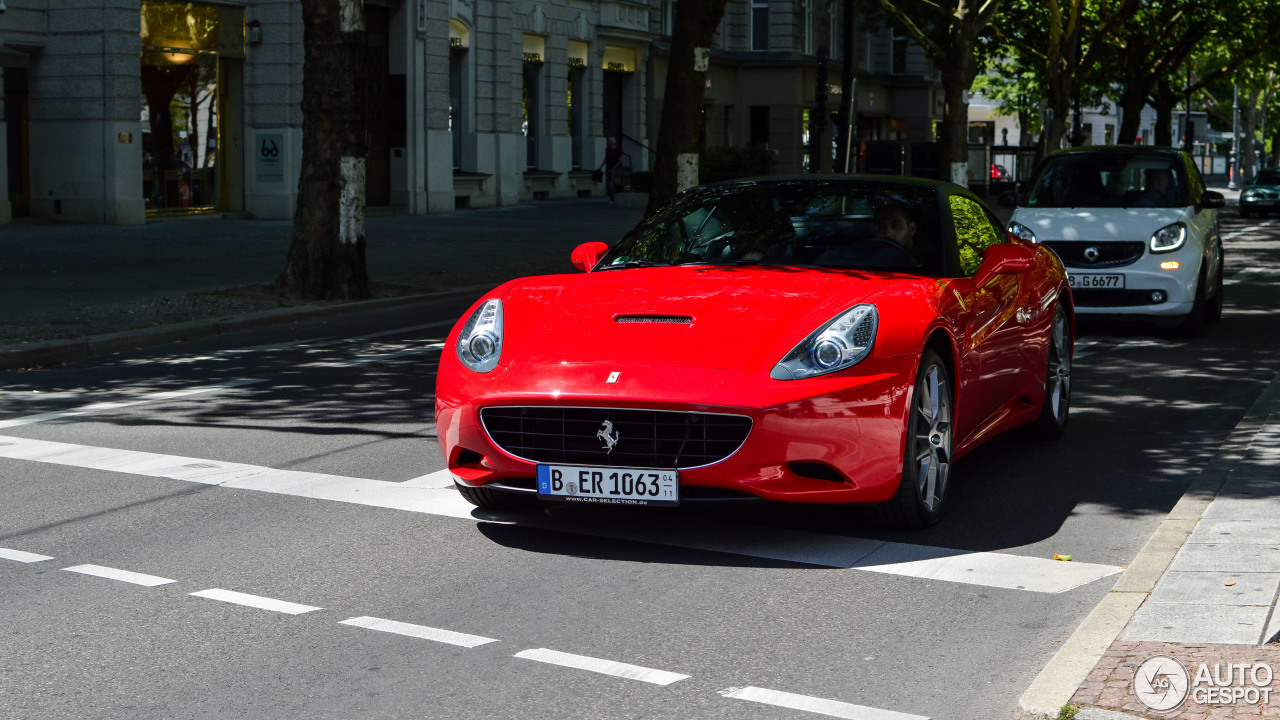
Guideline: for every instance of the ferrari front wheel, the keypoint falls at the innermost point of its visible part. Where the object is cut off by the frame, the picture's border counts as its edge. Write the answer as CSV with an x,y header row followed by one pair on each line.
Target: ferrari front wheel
x,y
926,464
1057,379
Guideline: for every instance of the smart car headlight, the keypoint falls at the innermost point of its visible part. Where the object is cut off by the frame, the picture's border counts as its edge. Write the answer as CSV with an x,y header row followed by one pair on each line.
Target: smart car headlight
x,y
1022,231
480,344
1168,238
841,343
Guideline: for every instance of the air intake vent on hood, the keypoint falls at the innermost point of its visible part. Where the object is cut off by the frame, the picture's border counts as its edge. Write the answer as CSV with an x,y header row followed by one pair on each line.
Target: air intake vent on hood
x,y
662,319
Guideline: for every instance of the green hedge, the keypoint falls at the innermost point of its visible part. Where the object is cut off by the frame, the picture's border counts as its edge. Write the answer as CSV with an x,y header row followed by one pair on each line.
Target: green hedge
x,y
728,163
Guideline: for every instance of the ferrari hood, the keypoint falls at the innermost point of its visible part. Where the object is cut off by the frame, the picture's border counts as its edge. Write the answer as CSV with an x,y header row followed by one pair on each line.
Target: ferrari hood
x,y
726,318
1097,224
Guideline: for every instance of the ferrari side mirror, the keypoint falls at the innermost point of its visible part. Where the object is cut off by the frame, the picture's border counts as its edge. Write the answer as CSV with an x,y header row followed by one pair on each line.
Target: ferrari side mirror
x,y
586,255
1004,259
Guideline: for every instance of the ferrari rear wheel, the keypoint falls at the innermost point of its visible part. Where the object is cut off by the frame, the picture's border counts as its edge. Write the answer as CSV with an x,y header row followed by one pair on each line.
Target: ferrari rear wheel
x,y
492,499
1057,380
926,465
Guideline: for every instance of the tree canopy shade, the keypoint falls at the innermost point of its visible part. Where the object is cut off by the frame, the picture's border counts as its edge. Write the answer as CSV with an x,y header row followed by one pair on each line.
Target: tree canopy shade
x,y
1065,38
327,254
948,30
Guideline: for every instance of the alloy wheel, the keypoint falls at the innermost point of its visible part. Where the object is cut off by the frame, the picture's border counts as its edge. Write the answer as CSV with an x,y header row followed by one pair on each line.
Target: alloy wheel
x,y
933,437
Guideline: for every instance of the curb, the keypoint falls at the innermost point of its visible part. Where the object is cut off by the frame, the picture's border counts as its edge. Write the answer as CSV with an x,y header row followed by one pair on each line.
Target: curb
x,y
53,352
1057,683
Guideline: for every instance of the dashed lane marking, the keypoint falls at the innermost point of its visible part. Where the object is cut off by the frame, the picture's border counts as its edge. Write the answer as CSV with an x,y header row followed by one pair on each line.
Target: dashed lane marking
x,y
419,631
117,404
121,575
830,708
22,556
987,569
255,601
604,667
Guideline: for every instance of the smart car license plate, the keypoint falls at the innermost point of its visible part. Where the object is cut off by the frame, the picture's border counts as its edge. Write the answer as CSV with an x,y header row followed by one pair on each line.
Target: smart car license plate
x,y
610,486
1096,282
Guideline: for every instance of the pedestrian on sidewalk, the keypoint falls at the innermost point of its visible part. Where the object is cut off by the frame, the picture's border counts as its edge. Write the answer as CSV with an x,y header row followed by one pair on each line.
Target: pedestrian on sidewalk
x,y
612,161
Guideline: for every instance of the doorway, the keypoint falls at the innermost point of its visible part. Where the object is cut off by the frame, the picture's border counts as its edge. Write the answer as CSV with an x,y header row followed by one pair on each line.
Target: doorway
x,y
15,118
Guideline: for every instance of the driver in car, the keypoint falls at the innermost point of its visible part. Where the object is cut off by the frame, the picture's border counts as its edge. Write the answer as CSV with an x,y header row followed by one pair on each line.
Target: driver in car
x,y
890,245
894,223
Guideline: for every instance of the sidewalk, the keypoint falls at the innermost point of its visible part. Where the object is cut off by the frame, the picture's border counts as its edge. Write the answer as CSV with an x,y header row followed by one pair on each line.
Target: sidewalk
x,y
73,291
1191,630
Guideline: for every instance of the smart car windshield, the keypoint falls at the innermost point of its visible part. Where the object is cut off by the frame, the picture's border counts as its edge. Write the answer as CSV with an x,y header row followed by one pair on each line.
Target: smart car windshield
x,y
1267,177
865,226
1110,179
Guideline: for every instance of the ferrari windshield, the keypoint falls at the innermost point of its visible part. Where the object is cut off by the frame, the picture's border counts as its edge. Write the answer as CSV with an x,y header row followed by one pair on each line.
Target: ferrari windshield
x,y
1110,179
848,225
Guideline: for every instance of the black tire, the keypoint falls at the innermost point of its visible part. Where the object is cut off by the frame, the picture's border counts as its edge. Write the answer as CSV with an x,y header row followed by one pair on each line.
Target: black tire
x,y
1193,322
918,501
1213,312
488,499
1057,382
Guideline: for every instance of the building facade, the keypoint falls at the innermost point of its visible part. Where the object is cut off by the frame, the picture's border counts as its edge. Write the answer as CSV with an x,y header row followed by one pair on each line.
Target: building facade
x,y
119,110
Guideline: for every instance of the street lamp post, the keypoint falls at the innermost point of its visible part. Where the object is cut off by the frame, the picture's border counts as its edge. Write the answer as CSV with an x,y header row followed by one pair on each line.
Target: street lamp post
x,y
1235,137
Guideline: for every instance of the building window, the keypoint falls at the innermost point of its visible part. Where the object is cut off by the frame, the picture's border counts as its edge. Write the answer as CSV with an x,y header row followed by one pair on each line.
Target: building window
x,y
759,24
899,53
531,97
459,39
806,26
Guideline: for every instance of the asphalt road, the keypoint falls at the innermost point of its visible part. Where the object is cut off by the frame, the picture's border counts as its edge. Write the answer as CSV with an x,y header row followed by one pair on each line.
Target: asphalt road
x,y
298,466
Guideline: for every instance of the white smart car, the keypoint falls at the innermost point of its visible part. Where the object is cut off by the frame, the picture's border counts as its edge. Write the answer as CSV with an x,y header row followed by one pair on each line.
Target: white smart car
x,y
1135,228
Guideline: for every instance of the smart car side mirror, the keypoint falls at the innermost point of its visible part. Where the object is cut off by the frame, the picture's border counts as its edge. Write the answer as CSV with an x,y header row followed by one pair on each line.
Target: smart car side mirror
x,y
1212,200
1004,259
586,255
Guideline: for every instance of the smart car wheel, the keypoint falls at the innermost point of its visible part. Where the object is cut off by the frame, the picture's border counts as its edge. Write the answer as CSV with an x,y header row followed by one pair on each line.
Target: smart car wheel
x,y
1057,381
926,466
1214,311
1193,322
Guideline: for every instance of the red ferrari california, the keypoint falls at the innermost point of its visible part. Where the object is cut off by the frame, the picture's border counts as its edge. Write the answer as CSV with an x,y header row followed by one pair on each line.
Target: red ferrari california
x,y
819,340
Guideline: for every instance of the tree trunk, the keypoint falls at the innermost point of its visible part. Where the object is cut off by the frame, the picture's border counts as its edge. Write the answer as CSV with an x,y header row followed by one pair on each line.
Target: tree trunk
x,y
1131,102
954,140
327,255
681,128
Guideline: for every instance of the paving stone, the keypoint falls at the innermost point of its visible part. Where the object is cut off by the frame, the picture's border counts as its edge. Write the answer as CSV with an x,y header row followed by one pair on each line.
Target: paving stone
x,y
1185,623
1210,588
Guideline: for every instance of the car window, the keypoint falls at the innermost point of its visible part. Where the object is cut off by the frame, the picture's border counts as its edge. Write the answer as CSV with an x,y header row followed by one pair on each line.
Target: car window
x,y
1111,179
1267,177
836,224
974,232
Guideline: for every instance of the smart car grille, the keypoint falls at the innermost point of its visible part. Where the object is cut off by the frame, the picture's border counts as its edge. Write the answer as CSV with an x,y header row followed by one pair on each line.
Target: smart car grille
x,y
1112,298
613,437
1104,254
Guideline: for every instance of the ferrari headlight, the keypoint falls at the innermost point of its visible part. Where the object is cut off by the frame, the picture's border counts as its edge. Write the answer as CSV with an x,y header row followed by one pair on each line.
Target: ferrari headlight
x,y
480,344
1022,231
1169,238
842,343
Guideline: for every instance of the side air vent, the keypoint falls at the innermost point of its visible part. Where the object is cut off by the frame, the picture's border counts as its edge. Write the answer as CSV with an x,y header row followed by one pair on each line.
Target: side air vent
x,y
660,319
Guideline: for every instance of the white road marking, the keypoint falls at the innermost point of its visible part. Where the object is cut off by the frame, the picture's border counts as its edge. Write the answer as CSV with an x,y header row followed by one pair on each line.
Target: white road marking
x,y
830,708
117,404
438,480
22,556
604,667
418,631
255,601
121,575
987,569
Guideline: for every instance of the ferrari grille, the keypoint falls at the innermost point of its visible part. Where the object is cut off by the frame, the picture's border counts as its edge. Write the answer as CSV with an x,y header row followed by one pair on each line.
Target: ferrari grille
x,y
661,319
614,437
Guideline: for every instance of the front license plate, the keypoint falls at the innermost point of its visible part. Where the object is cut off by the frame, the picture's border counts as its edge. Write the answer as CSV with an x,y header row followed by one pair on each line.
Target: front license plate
x,y
610,486
1108,282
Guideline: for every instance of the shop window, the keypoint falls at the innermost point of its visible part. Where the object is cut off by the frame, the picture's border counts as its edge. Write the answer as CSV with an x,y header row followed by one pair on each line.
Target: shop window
x,y
184,46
